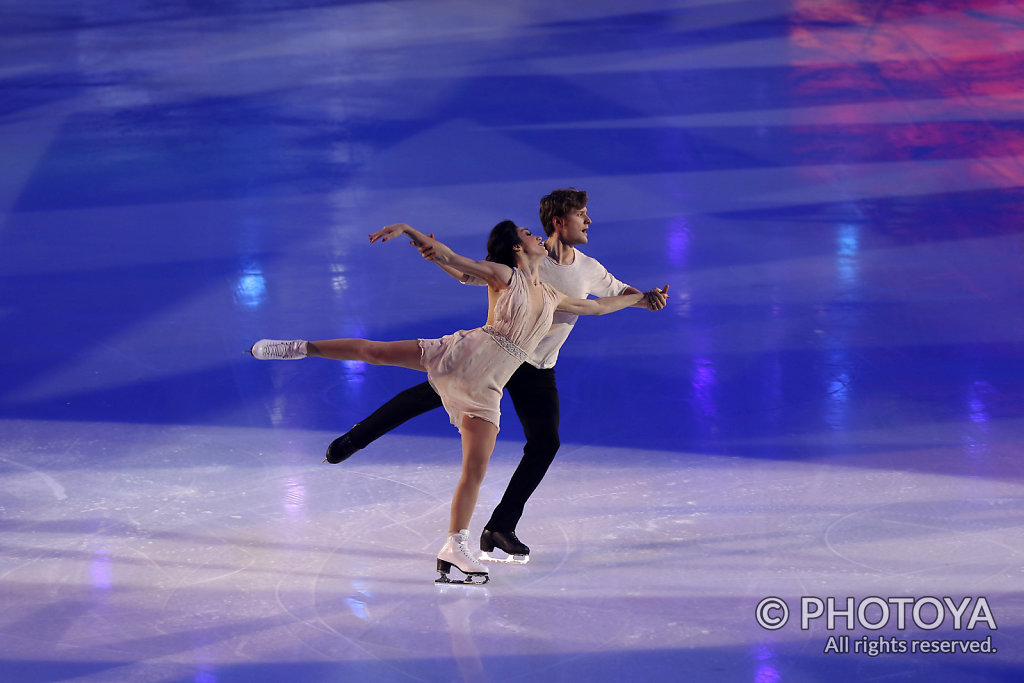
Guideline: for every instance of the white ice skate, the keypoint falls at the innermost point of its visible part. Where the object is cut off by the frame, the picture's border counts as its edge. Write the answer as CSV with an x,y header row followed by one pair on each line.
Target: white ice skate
x,y
456,553
279,349
503,547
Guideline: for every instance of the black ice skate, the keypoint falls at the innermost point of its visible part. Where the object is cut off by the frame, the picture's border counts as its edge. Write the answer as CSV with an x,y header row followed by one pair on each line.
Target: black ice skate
x,y
341,449
455,553
506,548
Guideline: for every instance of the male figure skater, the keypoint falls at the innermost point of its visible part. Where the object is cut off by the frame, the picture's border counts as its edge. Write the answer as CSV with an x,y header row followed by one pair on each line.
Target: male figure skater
x,y
532,388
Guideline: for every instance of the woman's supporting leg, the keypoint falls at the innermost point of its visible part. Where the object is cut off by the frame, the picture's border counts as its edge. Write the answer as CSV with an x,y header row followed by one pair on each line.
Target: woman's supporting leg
x,y
405,354
478,438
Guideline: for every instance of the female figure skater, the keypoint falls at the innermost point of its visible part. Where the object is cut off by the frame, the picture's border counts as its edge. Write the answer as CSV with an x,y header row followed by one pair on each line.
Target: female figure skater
x,y
468,368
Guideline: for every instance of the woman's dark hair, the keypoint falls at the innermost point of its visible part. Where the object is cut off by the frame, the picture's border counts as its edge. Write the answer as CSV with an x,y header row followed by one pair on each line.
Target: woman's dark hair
x,y
503,239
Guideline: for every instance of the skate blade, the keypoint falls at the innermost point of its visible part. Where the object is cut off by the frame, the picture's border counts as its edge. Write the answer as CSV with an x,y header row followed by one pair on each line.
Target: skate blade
x,y
469,580
507,559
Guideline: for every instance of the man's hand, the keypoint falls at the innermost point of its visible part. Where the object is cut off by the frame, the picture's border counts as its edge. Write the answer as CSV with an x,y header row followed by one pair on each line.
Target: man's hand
x,y
426,250
656,299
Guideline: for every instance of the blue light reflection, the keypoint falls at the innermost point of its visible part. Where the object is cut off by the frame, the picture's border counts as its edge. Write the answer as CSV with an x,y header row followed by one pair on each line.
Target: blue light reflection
x,y
704,381
100,571
294,498
251,288
848,256
838,406
357,607
678,239
766,671
976,436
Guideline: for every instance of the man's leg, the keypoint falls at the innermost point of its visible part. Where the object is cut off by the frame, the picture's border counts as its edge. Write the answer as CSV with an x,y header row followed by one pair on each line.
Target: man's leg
x,y
534,395
403,407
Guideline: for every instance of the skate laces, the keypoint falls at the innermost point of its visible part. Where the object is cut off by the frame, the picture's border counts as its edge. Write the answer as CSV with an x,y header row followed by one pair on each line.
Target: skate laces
x,y
278,350
285,349
462,544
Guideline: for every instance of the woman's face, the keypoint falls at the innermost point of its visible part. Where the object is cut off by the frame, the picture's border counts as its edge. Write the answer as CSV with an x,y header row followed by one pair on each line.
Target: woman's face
x,y
532,244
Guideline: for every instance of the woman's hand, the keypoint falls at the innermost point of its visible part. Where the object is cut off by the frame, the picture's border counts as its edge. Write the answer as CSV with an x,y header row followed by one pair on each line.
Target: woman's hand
x,y
494,274
389,232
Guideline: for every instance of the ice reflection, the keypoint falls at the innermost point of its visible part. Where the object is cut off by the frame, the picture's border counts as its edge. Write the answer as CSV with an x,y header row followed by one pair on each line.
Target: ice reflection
x,y
339,283
766,671
251,287
353,373
838,402
847,257
678,237
100,570
704,381
840,320
357,607
276,410
294,498
976,436
457,605
838,378
977,409
359,603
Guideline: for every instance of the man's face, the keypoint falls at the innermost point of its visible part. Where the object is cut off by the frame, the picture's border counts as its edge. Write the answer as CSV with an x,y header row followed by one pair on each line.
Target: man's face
x,y
572,228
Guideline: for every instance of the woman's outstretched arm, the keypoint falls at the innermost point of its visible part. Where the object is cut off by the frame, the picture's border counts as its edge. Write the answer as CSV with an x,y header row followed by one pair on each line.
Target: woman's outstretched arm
x,y
606,304
495,274
427,252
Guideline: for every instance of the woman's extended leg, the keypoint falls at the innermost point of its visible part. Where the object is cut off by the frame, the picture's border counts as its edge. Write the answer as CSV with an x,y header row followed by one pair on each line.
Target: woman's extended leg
x,y
405,354
478,438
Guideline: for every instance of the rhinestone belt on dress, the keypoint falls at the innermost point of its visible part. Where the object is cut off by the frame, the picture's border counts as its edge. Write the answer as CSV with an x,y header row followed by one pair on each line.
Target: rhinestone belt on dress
x,y
507,344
